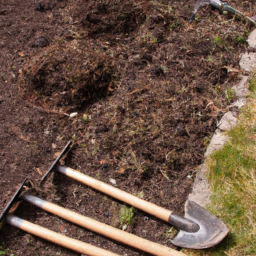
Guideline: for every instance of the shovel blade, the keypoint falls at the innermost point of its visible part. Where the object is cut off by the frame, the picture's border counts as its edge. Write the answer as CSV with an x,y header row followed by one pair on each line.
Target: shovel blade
x,y
212,230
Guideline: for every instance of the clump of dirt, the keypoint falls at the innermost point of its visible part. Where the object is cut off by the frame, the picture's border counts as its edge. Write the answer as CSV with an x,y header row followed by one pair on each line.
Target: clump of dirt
x,y
107,17
67,74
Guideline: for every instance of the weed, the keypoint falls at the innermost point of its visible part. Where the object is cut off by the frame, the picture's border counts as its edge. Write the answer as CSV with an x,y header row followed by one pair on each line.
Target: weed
x,y
218,41
210,59
140,194
230,94
127,215
5,251
218,89
171,233
85,117
176,24
154,39
240,40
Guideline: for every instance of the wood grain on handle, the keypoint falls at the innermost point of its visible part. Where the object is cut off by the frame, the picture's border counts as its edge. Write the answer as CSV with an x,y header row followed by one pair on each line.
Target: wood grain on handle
x,y
119,194
57,238
103,229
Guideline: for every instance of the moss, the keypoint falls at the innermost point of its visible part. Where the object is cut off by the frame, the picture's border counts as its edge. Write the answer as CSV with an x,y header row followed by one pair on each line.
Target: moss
x,y
127,215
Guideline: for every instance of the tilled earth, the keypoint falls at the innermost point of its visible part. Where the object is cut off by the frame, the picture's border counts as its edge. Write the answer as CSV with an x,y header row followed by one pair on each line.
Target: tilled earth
x,y
149,89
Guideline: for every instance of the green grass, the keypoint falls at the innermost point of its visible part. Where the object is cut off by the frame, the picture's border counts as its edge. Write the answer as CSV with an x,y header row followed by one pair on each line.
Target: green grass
x,y
232,175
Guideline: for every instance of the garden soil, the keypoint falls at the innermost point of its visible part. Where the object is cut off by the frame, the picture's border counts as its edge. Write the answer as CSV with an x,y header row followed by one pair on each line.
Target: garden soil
x,y
148,89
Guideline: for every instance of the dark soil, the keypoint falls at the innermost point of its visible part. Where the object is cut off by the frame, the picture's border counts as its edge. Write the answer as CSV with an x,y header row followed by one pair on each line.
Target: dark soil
x,y
149,89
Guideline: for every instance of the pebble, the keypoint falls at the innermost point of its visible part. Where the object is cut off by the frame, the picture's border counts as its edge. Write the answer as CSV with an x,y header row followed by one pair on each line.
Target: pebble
x,y
112,181
73,114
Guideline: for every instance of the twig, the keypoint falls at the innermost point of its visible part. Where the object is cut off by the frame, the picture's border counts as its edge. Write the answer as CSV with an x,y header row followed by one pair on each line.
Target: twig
x,y
46,110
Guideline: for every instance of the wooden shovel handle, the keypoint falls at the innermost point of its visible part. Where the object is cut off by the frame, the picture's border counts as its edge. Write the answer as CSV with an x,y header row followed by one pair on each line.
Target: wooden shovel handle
x,y
57,238
119,194
103,229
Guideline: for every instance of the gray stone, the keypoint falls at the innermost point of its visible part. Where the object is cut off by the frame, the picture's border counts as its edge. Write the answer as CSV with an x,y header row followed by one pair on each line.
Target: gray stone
x,y
252,39
241,89
228,121
201,190
218,140
248,61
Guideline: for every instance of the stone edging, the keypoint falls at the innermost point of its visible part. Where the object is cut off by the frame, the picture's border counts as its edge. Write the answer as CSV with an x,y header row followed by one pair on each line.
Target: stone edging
x,y
201,189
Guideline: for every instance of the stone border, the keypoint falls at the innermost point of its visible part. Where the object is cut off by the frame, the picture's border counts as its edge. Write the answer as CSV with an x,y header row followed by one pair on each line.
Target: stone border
x,y
201,191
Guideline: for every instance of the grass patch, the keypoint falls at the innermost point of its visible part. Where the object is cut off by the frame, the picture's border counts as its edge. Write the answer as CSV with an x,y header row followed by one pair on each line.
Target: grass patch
x,y
232,175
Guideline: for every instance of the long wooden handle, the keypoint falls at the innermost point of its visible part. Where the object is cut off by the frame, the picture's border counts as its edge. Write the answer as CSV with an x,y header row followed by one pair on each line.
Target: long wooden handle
x,y
119,194
103,229
57,238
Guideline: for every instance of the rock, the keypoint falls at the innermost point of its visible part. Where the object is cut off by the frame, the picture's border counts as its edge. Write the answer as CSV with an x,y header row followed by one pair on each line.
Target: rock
x,y
248,61
228,121
201,189
252,39
112,181
241,89
218,140
73,114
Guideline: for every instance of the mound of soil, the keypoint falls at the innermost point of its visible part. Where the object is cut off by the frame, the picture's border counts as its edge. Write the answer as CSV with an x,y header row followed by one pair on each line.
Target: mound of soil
x,y
67,74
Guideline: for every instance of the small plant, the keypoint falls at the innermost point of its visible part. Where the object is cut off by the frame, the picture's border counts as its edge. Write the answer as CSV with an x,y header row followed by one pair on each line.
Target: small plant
x,y
218,89
218,41
230,94
210,59
85,117
127,215
176,24
5,251
240,40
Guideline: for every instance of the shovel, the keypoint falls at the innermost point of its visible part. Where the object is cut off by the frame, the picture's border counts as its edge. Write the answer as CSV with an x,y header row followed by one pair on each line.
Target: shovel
x,y
199,229
67,242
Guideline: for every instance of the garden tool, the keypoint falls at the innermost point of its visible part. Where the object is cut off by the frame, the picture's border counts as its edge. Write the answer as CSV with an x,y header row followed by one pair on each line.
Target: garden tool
x,y
218,4
101,228
199,229
70,243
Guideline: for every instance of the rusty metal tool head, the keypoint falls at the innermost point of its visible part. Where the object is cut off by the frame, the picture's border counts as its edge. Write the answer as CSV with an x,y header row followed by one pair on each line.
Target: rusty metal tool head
x,y
199,229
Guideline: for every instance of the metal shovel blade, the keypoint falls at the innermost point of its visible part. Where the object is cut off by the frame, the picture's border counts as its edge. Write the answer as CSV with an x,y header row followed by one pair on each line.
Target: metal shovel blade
x,y
211,232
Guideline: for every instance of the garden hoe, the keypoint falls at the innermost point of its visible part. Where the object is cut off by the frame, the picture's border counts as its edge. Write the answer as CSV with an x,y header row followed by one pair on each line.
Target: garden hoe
x,y
70,243
221,6
199,229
